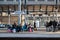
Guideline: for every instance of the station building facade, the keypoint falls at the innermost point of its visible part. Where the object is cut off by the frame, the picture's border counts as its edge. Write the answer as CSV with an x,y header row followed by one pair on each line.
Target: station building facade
x,y
38,10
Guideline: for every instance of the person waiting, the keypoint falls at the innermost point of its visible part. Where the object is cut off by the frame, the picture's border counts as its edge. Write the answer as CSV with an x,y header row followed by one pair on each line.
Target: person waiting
x,y
14,27
19,28
24,28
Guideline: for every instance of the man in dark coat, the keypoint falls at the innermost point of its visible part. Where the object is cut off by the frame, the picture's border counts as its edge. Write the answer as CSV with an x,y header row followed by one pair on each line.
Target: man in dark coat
x,y
54,25
24,28
50,25
58,25
14,26
34,25
19,28
47,26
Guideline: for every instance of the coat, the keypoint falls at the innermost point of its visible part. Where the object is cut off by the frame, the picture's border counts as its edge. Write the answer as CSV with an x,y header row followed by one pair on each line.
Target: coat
x,y
24,27
54,24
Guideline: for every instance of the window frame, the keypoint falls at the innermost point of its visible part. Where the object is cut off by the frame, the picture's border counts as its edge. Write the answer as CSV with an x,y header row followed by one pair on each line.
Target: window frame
x,y
41,0
31,0
10,0
50,0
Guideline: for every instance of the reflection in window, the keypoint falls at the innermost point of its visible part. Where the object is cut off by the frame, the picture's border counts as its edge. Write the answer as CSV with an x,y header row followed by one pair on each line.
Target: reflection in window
x,y
21,0
30,8
0,18
50,0
9,0
4,19
55,8
4,14
1,0
5,8
43,8
0,13
59,8
18,0
15,18
49,8
12,8
58,18
30,18
31,0
0,9
12,13
22,8
40,0
59,0
36,8
16,7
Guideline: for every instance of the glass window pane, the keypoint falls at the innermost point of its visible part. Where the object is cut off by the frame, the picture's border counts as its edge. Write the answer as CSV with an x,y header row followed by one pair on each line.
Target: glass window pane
x,y
59,0
0,19
22,7
11,8
4,19
5,8
59,9
0,13
1,0
0,9
50,0
55,8
4,13
16,7
30,8
36,8
15,18
18,0
31,0
49,8
9,0
43,8
40,0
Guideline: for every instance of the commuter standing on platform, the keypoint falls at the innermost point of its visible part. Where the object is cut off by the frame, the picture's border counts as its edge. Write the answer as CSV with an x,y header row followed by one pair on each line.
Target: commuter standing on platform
x,y
24,28
47,26
34,25
19,28
54,25
14,26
